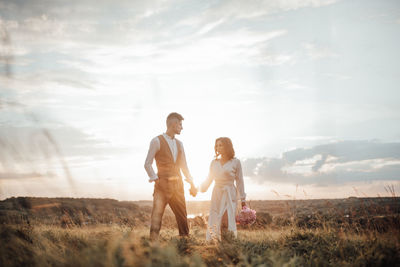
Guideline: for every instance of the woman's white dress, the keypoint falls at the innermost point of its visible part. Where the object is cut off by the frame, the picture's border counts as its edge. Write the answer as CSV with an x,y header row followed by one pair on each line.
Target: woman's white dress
x,y
224,195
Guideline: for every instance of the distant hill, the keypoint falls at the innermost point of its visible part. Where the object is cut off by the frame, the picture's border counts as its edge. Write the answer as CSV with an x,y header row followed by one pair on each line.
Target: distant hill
x,y
67,211
88,211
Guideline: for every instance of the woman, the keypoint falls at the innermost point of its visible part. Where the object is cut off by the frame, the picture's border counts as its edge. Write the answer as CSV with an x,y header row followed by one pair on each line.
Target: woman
x,y
225,170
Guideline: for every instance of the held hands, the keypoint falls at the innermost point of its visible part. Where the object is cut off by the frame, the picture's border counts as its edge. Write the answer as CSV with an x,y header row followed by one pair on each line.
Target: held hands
x,y
193,190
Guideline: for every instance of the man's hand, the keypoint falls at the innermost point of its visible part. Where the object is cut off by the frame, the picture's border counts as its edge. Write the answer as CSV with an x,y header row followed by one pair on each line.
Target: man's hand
x,y
153,180
193,191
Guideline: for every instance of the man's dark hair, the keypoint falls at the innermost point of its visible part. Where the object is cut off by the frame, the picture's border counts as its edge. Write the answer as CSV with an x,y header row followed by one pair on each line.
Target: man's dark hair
x,y
174,115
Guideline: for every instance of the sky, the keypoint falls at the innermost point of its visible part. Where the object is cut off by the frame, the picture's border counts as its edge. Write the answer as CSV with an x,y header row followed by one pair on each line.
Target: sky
x,y
307,90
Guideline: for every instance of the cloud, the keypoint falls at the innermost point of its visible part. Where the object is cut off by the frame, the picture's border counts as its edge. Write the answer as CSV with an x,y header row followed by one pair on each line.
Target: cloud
x,y
176,54
83,39
32,146
60,27
210,26
315,51
346,151
328,164
338,76
319,163
242,9
17,176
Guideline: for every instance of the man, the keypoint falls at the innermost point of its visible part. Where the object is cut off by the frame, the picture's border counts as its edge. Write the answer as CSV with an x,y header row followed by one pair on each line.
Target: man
x,y
168,189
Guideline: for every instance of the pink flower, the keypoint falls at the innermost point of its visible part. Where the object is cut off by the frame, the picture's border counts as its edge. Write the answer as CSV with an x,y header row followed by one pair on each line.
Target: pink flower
x,y
246,216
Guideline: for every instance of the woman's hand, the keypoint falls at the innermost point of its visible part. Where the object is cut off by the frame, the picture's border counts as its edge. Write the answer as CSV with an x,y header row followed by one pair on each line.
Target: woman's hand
x,y
193,190
243,204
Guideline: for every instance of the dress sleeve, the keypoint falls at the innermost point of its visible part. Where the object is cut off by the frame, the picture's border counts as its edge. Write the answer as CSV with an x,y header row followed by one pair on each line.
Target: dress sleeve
x,y
239,181
206,184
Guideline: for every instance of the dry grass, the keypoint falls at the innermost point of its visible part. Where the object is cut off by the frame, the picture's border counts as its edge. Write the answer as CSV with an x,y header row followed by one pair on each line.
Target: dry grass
x,y
352,232
114,245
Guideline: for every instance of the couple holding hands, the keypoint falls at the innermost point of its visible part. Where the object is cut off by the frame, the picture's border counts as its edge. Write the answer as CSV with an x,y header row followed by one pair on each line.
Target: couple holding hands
x,y
225,171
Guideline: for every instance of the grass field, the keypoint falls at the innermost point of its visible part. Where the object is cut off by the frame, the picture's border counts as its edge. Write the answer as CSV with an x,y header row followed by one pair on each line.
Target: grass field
x,y
114,245
318,239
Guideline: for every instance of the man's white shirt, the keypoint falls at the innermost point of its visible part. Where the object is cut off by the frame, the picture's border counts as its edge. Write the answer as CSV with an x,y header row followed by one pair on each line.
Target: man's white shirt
x,y
173,146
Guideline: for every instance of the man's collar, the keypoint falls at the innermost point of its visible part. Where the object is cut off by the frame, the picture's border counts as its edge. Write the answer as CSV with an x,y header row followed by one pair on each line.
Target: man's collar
x,y
169,137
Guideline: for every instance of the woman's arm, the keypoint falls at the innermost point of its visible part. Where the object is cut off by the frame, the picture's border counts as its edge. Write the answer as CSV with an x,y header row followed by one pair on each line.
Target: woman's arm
x,y
206,184
240,182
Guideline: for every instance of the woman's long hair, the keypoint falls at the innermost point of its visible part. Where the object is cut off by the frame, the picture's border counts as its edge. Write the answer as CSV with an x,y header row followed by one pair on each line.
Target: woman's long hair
x,y
228,147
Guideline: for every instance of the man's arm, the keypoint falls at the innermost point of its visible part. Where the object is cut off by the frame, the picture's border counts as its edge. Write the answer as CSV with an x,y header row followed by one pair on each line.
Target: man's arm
x,y
184,166
185,170
148,164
